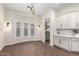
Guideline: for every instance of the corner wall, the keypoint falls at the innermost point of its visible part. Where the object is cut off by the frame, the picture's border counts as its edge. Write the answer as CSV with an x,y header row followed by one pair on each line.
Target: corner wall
x,y
2,15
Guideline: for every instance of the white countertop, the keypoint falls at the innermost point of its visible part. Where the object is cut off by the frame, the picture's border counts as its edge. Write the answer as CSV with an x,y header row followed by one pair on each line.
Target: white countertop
x,y
67,36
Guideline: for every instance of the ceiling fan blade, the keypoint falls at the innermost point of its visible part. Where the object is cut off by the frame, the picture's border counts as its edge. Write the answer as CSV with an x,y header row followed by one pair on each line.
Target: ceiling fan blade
x,y
28,6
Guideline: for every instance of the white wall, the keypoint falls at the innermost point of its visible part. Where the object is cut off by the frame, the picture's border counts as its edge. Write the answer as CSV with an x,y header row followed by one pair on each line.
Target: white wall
x,y
2,11
12,16
50,14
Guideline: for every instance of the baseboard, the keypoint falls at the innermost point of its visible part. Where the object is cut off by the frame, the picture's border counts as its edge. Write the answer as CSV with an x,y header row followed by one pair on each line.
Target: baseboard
x,y
75,51
20,42
62,48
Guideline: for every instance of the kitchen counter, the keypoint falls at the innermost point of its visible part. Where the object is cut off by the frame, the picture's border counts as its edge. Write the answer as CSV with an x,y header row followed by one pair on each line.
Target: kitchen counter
x,y
70,43
67,36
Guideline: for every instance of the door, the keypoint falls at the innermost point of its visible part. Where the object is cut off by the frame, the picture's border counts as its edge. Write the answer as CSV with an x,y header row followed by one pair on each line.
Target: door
x,y
47,30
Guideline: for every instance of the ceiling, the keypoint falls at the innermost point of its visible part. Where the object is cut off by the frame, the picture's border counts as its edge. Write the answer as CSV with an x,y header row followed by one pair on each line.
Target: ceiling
x,y
40,8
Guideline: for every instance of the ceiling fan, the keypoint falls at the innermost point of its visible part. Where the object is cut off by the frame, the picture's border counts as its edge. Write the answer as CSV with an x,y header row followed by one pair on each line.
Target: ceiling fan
x,y
32,9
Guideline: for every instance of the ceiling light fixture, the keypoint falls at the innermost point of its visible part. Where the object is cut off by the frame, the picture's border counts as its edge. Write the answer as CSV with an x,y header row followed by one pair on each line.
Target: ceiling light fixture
x,y
32,9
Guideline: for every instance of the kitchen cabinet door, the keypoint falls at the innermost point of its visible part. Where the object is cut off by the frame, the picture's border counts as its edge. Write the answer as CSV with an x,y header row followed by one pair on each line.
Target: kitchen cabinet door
x,y
58,22
75,45
61,22
65,43
77,19
72,20
56,40
67,20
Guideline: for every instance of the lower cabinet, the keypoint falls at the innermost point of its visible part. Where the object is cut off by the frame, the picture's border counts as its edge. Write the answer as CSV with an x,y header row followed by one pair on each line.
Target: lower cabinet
x,y
75,45
57,40
63,42
66,43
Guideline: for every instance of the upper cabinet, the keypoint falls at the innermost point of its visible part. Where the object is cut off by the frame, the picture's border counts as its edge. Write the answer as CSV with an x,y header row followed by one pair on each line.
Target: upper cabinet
x,y
58,22
62,21
72,20
68,21
77,21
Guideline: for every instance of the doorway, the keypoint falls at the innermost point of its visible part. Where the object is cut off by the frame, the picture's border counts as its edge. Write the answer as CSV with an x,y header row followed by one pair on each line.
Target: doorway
x,y
47,31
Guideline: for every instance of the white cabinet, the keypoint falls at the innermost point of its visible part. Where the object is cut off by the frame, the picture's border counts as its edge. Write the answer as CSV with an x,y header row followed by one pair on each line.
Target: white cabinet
x,y
57,40
77,21
58,22
62,21
63,42
75,45
68,20
72,20
66,43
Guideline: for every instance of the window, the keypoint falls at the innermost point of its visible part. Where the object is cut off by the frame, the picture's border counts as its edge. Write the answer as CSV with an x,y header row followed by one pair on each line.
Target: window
x,y
32,29
25,29
18,29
